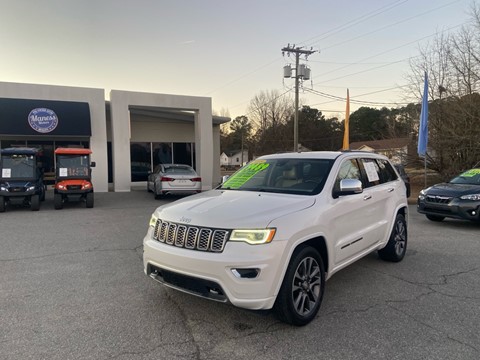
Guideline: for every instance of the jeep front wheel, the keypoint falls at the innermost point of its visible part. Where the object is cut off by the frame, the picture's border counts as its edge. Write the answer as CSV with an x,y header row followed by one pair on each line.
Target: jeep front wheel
x,y
301,293
2,204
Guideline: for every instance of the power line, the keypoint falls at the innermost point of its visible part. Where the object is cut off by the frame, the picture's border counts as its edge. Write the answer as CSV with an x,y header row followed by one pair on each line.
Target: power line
x,y
356,21
347,24
382,53
390,25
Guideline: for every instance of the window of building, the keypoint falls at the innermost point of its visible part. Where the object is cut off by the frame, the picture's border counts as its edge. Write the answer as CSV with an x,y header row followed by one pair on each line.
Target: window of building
x,y
140,161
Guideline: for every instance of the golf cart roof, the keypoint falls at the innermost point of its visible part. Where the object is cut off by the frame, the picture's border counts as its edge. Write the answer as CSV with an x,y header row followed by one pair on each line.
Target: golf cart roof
x,y
73,151
20,151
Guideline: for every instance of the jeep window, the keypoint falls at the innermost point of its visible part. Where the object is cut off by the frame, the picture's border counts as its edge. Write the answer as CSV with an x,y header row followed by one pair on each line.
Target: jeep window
x,y
18,166
371,172
387,173
348,170
289,176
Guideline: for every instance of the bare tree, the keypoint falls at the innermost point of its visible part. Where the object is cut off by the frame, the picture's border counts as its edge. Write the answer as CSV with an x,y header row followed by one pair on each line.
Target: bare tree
x,y
451,62
270,109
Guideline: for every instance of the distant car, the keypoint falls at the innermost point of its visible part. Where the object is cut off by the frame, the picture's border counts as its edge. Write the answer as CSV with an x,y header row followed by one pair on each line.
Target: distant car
x,y
403,174
173,179
459,198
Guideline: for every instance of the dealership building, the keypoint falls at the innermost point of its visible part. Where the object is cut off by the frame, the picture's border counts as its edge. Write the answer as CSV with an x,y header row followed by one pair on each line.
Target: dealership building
x,y
129,134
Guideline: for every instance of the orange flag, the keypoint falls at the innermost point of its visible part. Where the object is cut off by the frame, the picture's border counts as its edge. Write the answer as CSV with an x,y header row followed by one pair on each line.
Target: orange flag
x,y
346,134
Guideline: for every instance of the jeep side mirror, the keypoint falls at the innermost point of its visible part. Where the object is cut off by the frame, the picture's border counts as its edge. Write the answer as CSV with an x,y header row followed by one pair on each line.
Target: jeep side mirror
x,y
349,187
93,164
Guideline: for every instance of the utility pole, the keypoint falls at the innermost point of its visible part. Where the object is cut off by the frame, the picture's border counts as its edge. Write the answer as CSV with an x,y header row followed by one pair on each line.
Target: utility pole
x,y
301,73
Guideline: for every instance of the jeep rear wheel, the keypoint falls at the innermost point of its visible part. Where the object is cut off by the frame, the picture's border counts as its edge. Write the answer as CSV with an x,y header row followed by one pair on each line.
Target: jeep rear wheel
x,y
89,200
2,204
301,293
397,243
57,201
35,202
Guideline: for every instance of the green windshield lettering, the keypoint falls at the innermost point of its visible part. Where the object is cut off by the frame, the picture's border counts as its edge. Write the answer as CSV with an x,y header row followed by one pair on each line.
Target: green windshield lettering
x,y
471,173
245,174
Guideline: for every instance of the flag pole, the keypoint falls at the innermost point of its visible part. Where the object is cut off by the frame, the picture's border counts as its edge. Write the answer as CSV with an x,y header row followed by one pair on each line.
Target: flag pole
x,y
346,134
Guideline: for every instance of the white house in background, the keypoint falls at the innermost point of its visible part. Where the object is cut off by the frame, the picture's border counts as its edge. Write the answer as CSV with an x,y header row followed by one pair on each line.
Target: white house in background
x,y
395,149
233,158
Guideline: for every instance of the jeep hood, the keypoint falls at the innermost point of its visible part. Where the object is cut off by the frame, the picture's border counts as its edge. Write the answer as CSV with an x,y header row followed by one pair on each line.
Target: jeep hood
x,y
233,209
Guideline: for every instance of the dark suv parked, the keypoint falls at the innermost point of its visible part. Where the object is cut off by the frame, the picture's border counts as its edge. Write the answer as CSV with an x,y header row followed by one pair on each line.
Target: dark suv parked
x,y
21,179
403,174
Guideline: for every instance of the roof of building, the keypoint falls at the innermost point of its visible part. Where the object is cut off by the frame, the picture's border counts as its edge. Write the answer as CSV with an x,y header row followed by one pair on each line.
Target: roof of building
x,y
384,144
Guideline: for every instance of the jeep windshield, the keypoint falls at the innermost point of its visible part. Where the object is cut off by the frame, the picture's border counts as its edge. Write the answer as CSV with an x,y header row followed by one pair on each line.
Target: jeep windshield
x,y
18,166
288,176
73,166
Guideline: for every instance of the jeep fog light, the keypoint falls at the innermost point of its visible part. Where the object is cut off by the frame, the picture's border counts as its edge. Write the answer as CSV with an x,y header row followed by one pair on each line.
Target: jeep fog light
x,y
254,236
246,273
153,221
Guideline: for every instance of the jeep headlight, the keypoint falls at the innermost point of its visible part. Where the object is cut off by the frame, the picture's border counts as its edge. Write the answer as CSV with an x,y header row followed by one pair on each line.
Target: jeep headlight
x,y
473,197
153,221
253,236
86,186
31,188
3,188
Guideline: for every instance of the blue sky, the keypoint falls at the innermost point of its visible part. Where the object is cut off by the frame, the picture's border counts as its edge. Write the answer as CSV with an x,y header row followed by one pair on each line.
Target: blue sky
x,y
227,50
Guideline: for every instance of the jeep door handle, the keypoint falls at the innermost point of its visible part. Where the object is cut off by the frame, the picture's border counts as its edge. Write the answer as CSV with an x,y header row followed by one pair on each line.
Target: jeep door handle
x,y
367,197
390,189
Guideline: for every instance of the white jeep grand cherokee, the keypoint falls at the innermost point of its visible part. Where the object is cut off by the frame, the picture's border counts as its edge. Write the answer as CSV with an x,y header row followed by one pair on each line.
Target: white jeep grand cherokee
x,y
276,230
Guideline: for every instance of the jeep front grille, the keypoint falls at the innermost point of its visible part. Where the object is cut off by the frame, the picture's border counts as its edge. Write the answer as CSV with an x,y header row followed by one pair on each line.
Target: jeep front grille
x,y
190,237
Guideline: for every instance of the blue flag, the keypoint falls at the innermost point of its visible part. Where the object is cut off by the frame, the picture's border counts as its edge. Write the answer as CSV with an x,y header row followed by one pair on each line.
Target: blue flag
x,y
423,128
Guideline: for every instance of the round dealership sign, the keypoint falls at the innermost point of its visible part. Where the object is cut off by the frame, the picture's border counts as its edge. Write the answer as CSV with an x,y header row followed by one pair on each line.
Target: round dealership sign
x,y
43,120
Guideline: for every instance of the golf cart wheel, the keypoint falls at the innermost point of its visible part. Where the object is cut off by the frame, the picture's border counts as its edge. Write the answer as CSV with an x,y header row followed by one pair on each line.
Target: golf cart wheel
x,y
58,201
89,200
35,202
2,204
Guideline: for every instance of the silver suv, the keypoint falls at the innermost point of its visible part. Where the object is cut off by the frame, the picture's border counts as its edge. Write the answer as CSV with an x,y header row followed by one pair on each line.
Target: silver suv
x,y
276,230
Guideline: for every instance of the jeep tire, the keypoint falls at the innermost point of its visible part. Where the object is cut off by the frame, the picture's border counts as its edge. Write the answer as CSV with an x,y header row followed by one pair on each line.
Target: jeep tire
x,y
2,204
301,293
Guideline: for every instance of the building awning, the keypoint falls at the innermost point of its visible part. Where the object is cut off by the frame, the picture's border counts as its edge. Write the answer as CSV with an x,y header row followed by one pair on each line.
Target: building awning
x,y
44,118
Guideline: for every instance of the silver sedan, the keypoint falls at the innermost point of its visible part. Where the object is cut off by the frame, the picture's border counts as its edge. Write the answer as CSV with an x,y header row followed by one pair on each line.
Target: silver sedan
x,y
173,179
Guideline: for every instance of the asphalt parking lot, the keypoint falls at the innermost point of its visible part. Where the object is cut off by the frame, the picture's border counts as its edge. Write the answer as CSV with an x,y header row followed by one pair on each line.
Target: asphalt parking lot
x,y
72,287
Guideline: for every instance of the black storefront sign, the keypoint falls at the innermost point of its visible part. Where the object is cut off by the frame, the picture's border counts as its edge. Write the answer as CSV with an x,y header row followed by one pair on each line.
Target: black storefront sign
x,y
44,117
